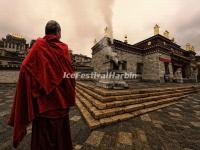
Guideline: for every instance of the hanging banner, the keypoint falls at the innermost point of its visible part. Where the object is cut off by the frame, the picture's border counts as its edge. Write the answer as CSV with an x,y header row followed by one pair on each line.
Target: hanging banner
x,y
165,59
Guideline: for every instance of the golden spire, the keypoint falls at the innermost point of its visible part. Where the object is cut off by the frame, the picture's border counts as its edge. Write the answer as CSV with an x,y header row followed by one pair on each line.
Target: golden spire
x,y
108,32
192,48
188,46
173,40
156,29
126,38
166,34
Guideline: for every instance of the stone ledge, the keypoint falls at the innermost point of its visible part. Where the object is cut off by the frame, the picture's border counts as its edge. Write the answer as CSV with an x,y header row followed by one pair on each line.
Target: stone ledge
x,y
130,96
99,114
105,92
106,105
93,123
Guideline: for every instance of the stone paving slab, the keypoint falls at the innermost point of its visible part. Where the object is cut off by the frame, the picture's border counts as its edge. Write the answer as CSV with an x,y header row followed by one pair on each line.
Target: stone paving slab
x,y
125,138
95,138
176,127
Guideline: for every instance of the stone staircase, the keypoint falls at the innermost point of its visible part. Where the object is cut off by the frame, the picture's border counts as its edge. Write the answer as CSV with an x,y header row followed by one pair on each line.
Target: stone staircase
x,y
102,107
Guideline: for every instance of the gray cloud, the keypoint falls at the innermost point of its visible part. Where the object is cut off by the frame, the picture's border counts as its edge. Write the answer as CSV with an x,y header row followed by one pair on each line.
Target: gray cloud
x,y
106,9
84,20
189,31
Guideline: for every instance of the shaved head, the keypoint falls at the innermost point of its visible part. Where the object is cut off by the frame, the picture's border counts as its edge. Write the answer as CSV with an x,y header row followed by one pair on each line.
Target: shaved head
x,y
52,27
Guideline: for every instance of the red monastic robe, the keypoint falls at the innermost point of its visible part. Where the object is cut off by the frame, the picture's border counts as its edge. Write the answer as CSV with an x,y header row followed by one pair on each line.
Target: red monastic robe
x,y
41,89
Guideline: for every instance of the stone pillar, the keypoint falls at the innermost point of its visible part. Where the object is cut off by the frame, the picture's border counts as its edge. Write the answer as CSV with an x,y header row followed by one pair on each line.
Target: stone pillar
x,y
151,67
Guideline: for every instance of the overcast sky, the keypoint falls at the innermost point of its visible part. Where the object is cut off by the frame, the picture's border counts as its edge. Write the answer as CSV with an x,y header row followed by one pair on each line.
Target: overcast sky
x,y
84,20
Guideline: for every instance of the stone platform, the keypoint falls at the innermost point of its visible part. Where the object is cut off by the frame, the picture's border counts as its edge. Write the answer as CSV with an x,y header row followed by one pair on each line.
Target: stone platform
x,y
101,107
172,128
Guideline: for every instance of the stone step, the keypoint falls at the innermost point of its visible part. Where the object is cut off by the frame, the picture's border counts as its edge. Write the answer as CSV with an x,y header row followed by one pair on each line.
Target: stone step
x,y
105,92
102,107
99,114
94,123
105,105
130,96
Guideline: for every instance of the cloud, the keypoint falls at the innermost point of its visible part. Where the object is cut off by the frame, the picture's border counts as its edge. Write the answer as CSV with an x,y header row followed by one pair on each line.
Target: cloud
x,y
84,20
189,31
137,19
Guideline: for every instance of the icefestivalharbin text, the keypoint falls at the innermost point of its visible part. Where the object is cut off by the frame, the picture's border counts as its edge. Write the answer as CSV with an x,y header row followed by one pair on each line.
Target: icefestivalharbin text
x,y
107,75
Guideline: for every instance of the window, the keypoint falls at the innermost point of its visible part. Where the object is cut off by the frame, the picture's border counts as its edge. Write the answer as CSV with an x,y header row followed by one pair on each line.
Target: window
x,y
115,66
139,68
166,68
124,65
149,43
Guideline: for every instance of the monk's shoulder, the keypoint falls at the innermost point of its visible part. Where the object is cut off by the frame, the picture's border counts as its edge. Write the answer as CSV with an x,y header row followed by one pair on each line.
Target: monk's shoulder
x,y
38,45
40,41
34,52
64,45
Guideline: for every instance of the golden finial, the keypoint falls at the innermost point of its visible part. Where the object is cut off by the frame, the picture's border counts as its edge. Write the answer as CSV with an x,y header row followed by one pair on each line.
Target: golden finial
x,y
188,46
192,48
166,34
173,40
126,38
156,29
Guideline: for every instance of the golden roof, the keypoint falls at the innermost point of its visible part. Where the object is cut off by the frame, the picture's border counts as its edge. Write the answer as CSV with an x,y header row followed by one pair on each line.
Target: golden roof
x,y
17,36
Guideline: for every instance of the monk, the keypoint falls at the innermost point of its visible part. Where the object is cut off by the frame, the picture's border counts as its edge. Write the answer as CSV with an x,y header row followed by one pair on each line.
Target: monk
x,y
43,96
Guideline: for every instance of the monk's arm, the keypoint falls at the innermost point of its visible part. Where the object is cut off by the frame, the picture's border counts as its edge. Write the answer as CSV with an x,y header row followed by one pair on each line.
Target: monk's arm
x,y
22,110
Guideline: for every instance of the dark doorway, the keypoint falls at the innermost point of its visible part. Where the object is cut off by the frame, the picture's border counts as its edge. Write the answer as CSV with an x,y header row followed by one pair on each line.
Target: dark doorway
x,y
115,66
198,75
167,73
139,69
124,65
166,68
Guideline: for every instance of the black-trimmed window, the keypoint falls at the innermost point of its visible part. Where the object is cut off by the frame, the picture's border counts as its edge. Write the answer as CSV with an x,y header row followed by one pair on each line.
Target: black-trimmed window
x,y
139,69
124,65
115,66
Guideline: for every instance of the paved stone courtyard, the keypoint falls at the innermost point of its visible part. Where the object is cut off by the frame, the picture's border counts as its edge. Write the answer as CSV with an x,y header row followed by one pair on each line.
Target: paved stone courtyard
x,y
173,128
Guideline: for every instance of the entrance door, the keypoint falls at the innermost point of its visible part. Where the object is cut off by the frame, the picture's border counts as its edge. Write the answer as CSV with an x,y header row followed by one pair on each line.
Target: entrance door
x,y
198,75
167,73
166,68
